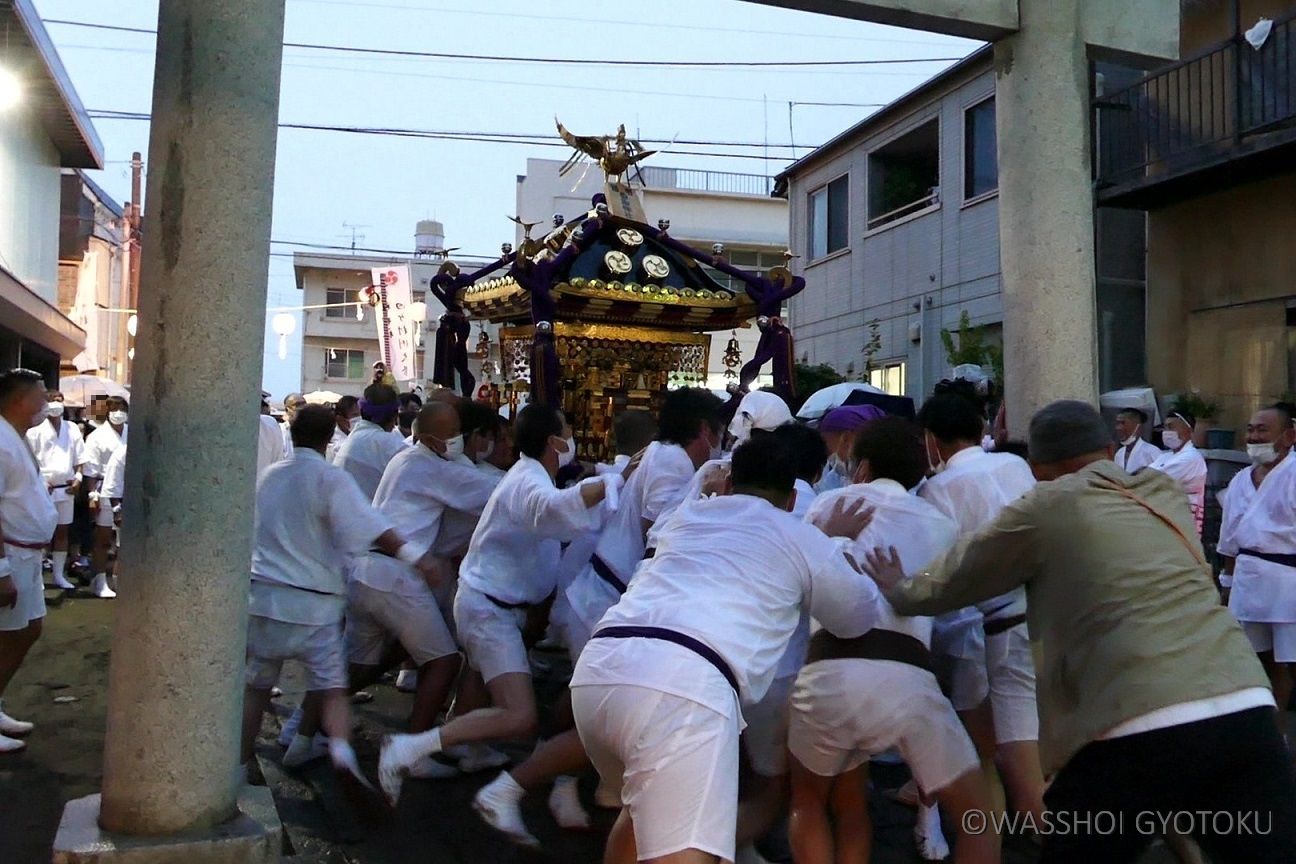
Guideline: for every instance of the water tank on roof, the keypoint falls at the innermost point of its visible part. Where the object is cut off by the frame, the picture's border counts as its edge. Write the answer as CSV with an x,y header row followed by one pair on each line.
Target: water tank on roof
x,y
429,237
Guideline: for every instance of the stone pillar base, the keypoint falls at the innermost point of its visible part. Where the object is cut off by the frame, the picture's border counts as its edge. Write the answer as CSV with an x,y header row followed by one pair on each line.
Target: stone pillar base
x,y
254,836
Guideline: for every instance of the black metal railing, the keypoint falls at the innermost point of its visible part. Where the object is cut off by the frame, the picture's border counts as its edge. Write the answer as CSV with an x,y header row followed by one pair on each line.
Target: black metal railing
x,y
1197,110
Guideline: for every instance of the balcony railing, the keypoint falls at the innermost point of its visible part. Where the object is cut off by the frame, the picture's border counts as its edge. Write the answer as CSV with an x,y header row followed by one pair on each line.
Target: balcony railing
x,y
723,182
1198,111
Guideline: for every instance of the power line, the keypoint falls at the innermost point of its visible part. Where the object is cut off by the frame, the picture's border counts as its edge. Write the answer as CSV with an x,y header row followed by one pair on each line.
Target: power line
x,y
543,85
422,134
563,61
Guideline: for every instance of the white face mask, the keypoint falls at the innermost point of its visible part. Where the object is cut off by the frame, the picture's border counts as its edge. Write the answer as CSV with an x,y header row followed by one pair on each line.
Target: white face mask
x,y
54,409
454,447
1262,454
1171,439
117,418
488,452
565,459
1134,436
929,445
717,450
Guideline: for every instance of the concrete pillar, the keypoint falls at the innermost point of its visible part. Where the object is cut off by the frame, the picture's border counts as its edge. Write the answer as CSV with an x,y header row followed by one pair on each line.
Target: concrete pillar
x,y
175,679
1046,211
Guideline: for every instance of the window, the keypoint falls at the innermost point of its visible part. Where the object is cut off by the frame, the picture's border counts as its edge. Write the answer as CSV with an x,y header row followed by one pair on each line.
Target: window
x,y
829,216
904,175
744,259
335,296
889,377
344,363
980,154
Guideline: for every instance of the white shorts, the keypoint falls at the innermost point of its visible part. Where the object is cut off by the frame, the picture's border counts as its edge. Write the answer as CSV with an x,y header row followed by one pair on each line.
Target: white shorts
x,y
26,576
375,619
766,735
491,634
569,627
963,679
64,506
1280,638
1010,667
673,761
317,647
844,711
104,515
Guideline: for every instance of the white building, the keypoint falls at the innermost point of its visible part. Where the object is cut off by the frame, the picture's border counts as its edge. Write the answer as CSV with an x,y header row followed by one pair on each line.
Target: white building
x,y
339,348
704,208
43,131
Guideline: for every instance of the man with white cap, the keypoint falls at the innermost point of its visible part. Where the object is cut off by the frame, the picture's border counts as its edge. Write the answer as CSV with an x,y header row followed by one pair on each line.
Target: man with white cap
x,y
510,567
59,449
1183,461
1258,540
658,691
758,411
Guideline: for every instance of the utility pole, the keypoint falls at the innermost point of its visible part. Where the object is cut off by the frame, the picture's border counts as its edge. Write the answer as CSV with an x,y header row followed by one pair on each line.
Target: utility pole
x,y
137,174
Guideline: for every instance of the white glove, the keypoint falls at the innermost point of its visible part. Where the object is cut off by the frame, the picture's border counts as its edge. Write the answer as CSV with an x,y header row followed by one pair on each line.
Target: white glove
x,y
612,484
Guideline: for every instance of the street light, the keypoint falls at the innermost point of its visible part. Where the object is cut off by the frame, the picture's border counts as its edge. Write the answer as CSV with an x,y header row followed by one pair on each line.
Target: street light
x,y
11,89
283,325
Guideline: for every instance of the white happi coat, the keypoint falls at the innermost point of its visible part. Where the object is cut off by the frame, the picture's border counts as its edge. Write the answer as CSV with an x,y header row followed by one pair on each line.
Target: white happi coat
x,y
1187,466
1263,520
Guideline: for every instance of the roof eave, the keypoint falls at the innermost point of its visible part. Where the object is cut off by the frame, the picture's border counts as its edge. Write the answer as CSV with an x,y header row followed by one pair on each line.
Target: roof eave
x,y
67,124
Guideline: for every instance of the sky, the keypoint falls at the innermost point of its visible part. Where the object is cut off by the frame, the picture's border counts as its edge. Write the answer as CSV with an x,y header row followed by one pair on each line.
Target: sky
x,y
326,182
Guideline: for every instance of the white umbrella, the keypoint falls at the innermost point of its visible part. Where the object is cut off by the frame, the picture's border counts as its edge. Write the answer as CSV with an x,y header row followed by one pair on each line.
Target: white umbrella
x,y
322,397
80,389
833,396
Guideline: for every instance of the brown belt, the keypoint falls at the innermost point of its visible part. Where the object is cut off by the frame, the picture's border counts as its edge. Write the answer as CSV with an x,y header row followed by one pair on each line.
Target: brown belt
x,y
876,644
21,545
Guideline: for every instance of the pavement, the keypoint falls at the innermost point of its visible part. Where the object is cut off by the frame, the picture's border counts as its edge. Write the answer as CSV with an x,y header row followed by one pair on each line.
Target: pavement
x,y
62,688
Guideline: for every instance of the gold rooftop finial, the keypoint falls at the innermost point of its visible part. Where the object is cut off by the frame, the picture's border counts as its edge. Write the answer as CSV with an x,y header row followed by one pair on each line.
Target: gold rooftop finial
x,y
615,154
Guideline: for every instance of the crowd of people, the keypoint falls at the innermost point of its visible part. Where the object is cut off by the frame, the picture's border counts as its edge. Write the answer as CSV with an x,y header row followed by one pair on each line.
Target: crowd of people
x,y
1041,638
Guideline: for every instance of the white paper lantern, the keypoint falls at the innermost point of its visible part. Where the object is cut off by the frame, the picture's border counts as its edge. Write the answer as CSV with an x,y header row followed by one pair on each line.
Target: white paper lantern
x,y
284,325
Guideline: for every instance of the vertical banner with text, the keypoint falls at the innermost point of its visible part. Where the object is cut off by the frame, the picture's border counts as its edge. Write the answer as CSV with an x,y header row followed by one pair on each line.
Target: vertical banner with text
x,y
395,329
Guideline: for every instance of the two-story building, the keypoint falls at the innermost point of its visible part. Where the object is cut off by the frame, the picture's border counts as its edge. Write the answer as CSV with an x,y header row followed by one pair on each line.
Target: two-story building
x,y
703,207
1207,147
898,222
93,276
43,129
340,336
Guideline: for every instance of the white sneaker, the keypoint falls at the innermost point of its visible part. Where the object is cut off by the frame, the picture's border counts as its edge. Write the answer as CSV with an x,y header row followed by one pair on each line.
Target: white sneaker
x,y
399,753
61,581
290,726
429,768
928,835
565,805
13,728
11,745
303,750
407,680
479,757
498,805
99,588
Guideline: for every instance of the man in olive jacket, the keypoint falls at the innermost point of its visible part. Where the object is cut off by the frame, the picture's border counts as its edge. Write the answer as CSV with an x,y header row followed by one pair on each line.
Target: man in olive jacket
x,y
1155,715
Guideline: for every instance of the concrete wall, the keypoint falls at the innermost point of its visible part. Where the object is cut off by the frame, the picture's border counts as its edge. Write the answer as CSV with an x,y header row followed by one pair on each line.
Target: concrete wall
x,y
1221,274
29,202
944,261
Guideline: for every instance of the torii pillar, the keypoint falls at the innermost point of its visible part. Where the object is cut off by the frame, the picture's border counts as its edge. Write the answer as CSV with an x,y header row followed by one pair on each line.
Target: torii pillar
x,y
172,789
1046,201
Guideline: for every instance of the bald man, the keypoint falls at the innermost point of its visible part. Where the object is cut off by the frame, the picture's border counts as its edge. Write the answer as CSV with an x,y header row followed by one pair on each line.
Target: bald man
x,y
388,599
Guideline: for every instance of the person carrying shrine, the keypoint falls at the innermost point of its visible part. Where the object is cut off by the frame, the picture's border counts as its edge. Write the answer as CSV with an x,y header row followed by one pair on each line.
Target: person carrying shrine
x,y
451,349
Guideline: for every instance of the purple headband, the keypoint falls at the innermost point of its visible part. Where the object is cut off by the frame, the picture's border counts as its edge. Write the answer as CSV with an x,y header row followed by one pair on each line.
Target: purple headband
x,y
378,412
849,417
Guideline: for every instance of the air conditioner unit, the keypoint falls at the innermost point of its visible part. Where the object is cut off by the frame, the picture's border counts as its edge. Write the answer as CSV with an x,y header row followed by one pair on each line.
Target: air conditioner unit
x,y
915,332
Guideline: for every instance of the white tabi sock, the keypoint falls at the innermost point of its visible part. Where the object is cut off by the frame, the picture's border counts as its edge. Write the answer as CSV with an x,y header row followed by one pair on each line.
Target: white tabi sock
x,y
428,743
504,786
60,562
